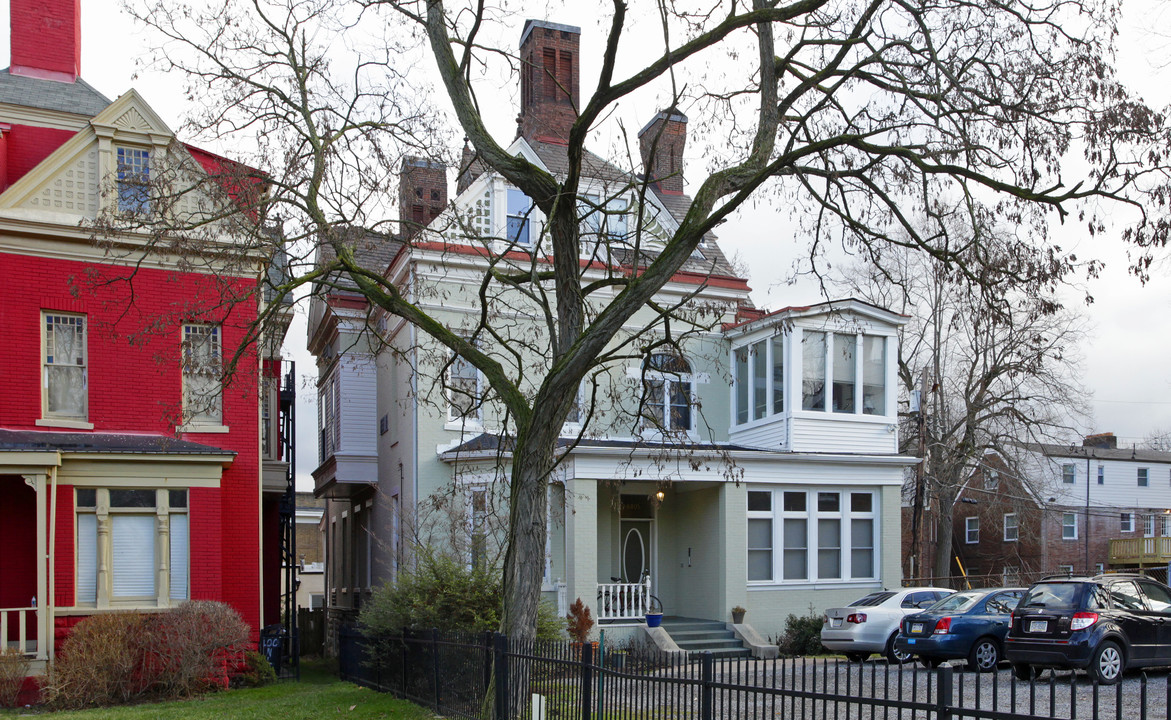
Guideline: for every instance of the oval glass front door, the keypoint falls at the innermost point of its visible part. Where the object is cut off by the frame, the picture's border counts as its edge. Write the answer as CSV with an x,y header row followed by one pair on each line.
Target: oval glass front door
x,y
633,555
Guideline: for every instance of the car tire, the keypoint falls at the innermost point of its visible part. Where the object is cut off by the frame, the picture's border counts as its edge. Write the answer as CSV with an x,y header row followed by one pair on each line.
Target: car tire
x,y
857,657
1023,671
893,656
1107,663
985,655
930,662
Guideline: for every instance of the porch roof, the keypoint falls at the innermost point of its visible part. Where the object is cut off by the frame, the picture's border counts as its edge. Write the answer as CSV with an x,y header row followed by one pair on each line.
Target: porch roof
x,y
114,443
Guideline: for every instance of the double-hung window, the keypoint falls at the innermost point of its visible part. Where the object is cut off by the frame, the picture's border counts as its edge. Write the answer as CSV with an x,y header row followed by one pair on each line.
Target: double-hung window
x,y
1011,528
1144,475
519,224
464,391
1126,522
821,535
1069,526
1068,472
143,536
971,530
666,393
66,394
133,180
202,373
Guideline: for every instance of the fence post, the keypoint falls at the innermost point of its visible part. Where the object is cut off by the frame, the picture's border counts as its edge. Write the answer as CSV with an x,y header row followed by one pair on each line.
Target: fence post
x,y
487,660
943,698
587,679
406,663
500,663
435,665
707,692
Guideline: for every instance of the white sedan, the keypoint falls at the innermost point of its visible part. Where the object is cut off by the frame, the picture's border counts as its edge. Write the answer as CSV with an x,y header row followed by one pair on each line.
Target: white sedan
x,y
869,625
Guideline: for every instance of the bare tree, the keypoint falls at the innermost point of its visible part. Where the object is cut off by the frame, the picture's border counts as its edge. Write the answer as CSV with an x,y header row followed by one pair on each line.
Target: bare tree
x,y
997,370
856,116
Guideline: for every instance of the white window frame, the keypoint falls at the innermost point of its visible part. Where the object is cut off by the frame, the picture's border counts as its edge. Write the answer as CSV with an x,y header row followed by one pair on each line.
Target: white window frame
x,y
663,422
1069,530
971,530
745,380
460,369
1010,575
1101,474
1143,476
991,479
1068,473
203,408
858,369
1065,570
811,516
1148,525
1126,522
166,522
329,418
1012,530
132,179
50,361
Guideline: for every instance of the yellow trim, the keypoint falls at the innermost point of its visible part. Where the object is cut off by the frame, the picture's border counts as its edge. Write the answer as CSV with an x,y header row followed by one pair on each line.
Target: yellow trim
x,y
22,115
61,422
22,462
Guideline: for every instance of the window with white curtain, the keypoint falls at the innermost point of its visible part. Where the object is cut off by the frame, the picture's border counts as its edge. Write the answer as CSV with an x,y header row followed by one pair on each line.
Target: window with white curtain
x,y
203,397
65,393
822,535
145,534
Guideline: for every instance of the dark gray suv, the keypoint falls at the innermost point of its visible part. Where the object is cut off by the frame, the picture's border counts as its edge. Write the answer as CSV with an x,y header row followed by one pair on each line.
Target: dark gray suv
x,y
1104,624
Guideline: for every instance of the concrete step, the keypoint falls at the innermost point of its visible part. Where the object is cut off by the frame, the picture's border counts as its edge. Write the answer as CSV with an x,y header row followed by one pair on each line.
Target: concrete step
x,y
698,636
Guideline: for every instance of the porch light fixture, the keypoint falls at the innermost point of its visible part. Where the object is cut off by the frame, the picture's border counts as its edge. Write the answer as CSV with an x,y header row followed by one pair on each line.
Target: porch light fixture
x,y
660,495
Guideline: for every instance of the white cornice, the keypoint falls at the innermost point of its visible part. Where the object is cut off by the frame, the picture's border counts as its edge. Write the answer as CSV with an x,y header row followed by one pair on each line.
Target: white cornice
x,y
21,115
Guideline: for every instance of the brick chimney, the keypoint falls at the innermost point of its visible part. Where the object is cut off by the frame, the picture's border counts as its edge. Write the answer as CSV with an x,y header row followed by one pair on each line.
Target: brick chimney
x,y
661,142
46,39
422,194
1102,441
549,98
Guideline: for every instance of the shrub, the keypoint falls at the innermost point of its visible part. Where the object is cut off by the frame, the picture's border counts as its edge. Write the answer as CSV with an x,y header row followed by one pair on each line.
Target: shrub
x,y
441,592
14,667
802,636
579,621
257,671
123,657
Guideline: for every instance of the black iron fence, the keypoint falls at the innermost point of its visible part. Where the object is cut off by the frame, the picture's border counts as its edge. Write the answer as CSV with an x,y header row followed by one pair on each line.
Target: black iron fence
x,y
488,676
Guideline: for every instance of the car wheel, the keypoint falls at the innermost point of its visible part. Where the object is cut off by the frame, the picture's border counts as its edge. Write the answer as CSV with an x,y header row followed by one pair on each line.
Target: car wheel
x,y
1023,671
1107,663
930,662
896,657
857,657
985,655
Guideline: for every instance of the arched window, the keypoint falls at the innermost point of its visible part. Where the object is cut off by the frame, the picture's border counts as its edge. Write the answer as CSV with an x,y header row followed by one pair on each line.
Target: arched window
x,y
666,387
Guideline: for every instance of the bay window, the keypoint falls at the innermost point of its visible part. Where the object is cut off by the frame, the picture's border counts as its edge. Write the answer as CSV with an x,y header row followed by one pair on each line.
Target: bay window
x,y
133,546
823,535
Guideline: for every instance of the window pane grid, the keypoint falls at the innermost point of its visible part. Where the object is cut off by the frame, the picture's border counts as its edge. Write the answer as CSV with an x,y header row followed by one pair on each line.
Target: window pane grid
x,y
66,394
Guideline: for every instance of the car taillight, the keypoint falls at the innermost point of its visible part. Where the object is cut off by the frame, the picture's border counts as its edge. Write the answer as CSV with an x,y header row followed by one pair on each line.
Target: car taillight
x,y
856,618
825,619
1083,620
943,626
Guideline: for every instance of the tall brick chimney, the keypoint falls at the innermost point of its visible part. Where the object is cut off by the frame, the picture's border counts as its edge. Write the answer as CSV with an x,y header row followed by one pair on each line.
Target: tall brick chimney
x,y
46,39
549,98
422,194
661,142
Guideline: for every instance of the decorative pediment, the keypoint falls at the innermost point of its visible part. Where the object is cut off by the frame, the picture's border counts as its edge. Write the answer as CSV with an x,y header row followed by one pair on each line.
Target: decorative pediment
x,y
133,120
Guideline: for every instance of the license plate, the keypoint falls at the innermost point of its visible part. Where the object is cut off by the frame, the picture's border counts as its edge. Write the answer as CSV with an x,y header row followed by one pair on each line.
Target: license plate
x,y
916,627
835,622
1038,626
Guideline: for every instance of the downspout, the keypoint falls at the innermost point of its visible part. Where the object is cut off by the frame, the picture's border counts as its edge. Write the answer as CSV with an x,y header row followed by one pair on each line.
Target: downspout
x,y
50,599
415,408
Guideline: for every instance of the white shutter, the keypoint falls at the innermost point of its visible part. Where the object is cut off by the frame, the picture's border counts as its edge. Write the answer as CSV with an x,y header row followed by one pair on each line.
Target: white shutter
x,y
133,538
87,558
179,555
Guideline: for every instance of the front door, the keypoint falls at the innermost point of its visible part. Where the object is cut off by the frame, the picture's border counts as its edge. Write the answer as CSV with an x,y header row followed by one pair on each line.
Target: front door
x,y
636,549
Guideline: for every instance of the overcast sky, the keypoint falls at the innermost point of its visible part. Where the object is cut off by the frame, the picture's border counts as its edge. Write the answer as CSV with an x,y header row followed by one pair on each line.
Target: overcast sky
x,y
1125,358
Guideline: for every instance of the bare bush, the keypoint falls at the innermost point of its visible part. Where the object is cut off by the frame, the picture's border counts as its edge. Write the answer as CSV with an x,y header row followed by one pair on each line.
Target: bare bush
x,y
14,667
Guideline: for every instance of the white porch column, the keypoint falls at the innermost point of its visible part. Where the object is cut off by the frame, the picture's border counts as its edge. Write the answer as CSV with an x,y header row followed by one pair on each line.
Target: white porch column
x,y
734,518
38,481
581,542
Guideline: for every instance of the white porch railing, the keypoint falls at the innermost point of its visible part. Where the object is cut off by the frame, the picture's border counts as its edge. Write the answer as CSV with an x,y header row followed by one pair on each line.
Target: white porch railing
x,y
624,601
25,620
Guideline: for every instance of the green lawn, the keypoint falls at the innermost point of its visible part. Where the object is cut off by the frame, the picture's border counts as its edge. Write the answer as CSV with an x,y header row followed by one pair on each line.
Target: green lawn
x,y
317,696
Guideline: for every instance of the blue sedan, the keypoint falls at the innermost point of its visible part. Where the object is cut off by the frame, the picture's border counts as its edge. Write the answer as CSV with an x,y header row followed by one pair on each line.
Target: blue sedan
x,y
969,625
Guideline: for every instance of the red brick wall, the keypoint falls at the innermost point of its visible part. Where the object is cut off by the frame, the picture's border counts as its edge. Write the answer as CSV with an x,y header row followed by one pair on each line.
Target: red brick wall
x,y
661,145
135,386
547,112
46,35
27,146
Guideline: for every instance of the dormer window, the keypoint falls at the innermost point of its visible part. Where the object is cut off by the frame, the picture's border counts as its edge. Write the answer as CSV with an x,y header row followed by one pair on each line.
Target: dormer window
x,y
520,207
666,401
759,392
133,180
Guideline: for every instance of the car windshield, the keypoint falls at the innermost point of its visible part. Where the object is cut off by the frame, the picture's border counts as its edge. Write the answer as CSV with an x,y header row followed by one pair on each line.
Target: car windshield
x,y
872,599
958,602
1051,595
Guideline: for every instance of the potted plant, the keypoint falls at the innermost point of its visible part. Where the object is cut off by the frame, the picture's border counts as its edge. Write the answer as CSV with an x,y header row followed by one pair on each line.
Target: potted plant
x,y
580,622
654,613
738,614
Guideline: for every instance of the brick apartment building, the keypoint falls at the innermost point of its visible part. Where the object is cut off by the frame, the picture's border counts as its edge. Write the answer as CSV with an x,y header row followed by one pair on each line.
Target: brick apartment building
x,y
126,458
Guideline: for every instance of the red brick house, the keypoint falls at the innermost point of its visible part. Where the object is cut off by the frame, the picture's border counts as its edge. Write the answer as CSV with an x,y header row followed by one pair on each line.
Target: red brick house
x,y
126,458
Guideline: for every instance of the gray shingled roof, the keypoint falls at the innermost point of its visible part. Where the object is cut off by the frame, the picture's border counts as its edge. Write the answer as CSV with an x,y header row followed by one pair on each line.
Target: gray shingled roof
x,y
43,440
490,442
1097,453
373,251
78,98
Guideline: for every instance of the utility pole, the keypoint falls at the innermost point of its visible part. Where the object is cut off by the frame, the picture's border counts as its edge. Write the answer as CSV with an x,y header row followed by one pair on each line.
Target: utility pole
x,y
920,480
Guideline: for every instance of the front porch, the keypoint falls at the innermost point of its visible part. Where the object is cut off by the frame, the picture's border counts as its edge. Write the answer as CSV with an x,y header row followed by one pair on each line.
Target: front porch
x,y
24,535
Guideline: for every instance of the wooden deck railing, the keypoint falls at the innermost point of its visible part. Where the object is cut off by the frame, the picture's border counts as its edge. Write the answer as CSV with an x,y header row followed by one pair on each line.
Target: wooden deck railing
x,y
1140,551
15,627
